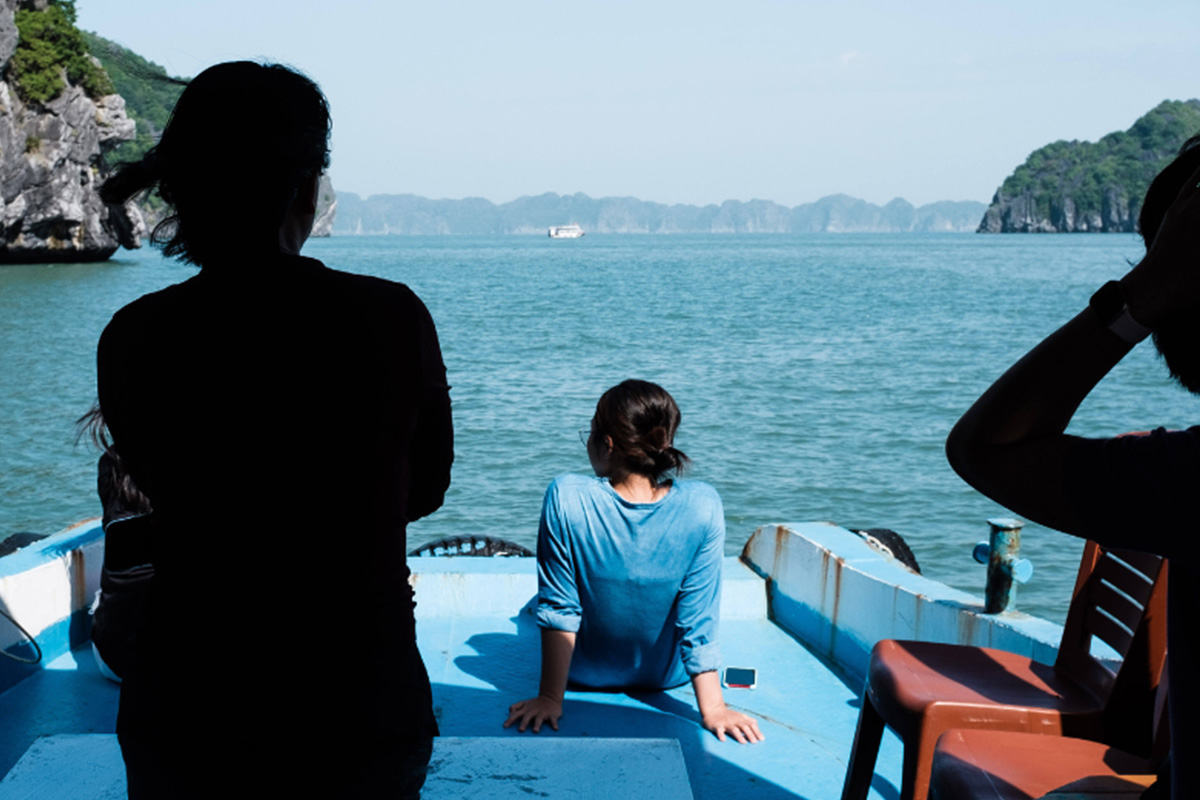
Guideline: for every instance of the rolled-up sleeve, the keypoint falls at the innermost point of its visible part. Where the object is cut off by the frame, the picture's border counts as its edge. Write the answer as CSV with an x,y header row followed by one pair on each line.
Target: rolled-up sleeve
x,y
558,593
700,600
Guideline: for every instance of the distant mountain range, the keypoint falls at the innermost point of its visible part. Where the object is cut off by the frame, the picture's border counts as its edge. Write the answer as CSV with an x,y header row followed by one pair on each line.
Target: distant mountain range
x,y
839,213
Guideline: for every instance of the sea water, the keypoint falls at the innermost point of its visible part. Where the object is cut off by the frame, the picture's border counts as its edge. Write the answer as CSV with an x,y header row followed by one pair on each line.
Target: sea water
x,y
818,374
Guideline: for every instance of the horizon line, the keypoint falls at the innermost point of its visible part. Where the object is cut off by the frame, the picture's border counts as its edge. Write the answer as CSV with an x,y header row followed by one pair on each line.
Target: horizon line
x,y
641,200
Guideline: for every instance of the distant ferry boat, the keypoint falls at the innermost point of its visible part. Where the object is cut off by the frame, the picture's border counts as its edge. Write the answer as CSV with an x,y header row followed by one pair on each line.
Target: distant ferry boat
x,y
571,231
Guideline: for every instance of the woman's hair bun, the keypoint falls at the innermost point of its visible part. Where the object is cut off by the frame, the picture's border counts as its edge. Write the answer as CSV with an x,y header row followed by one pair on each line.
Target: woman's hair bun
x,y
641,418
658,438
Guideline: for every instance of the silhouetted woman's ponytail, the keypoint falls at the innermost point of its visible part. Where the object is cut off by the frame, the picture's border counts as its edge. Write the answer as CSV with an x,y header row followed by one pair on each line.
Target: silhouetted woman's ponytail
x,y
130,179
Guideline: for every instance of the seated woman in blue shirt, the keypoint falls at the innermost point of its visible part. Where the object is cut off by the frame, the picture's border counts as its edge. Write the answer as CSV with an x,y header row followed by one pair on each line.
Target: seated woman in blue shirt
x,y
629,569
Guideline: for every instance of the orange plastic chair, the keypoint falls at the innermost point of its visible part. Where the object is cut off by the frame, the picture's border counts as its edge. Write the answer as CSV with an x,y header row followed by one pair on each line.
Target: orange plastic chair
x,y
922,689
1005,765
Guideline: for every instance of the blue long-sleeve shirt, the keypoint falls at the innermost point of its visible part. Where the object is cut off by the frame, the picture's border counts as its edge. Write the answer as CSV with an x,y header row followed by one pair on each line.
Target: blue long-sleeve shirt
x,y
640,583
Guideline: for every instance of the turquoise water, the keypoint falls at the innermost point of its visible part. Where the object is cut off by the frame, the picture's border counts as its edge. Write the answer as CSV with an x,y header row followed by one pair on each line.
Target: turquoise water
x,y
818,374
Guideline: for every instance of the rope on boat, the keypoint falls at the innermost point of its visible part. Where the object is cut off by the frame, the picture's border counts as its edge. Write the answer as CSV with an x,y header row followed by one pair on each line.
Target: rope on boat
x,y
25,633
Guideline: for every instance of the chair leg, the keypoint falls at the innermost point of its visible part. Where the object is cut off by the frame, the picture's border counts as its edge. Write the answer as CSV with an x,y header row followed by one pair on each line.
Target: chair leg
x,y
909,779
918,765
865,751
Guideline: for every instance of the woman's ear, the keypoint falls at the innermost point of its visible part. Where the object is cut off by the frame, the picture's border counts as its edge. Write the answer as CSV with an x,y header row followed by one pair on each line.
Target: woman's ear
x,y
298,222
306,197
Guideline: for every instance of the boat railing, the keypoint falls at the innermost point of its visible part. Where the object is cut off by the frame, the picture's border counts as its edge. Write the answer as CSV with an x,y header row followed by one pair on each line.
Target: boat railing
x,y
830,589
823,584
46,590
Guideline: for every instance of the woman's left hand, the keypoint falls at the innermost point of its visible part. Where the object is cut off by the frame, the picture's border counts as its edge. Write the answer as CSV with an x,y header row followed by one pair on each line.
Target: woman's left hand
x,y
725,720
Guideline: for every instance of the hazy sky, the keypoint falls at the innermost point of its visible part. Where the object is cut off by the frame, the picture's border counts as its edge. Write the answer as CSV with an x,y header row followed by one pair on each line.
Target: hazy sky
x,y
691,102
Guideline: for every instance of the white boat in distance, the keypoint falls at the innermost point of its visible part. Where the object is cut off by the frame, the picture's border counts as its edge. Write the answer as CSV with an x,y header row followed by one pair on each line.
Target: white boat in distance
x,y
571,231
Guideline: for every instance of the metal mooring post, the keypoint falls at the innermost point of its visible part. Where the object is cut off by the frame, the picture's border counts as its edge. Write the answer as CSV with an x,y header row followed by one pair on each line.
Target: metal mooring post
x,y
1003,564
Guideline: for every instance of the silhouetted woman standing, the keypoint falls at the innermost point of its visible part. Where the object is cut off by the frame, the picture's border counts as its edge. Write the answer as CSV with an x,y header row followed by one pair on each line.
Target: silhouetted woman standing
x,y
286,421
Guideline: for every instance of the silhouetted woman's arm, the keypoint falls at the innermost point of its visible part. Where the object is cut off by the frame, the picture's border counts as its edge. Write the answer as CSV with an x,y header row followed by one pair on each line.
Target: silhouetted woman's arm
x,y
432,450
1011,444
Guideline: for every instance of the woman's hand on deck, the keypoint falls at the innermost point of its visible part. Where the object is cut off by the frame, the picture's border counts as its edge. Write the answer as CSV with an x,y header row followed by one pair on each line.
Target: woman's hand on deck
x,y
725,721
533,712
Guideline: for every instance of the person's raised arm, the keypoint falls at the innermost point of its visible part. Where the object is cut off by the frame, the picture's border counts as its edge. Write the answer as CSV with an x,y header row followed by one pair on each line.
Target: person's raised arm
x,y
1011,444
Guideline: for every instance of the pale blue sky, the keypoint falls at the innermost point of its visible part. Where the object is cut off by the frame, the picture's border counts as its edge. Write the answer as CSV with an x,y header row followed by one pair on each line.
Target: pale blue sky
x,y
693,102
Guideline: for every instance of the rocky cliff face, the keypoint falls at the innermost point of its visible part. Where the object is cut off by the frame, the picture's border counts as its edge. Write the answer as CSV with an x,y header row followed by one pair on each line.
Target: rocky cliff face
x,y
51,165
326,208
1029,212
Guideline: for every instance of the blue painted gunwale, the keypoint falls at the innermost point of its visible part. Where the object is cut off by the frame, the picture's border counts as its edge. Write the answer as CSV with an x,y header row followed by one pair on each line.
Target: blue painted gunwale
x,y
78,550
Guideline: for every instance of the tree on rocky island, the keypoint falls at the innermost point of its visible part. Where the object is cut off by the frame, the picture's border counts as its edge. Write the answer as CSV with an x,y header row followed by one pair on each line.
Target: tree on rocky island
x,y
1090,187
58,117
50,52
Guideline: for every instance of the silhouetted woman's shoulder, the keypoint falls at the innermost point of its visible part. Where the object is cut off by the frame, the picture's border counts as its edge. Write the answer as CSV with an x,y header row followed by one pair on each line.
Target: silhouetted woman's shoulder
x,y
266,286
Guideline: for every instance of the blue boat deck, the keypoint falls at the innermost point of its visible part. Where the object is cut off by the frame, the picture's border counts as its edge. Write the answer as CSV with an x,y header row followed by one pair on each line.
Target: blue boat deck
x,y
480,664
804,615
806,710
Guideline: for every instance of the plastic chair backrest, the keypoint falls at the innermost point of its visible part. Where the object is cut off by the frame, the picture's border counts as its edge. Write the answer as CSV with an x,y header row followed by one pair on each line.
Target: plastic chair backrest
x,y
1120,598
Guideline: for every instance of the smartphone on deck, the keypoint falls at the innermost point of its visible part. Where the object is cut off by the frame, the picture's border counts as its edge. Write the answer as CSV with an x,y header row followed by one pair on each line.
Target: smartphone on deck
x,y
739,678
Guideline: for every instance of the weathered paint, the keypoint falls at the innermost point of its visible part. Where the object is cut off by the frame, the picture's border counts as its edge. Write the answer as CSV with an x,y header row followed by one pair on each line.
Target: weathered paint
x,y
816,568
1004,546
47,587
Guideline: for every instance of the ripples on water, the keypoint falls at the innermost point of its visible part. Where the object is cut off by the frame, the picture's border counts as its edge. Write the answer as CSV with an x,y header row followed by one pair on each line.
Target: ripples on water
x,y
818,375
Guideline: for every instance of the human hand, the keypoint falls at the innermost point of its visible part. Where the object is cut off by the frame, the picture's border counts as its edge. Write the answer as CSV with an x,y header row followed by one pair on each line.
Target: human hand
x,y
725,720
1167,280
534,711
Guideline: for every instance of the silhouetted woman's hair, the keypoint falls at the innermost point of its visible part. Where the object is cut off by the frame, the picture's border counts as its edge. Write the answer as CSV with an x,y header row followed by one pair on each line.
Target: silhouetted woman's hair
x,y
241,141
641,417
1177,340
1166,187
119,495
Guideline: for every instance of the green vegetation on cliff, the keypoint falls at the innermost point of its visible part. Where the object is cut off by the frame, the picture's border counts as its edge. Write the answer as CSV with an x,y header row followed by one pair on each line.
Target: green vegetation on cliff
x,y
149,92
49,49
1077,185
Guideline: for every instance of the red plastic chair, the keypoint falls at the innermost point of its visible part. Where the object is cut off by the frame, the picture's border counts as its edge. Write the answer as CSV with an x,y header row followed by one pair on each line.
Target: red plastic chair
x,y
922,689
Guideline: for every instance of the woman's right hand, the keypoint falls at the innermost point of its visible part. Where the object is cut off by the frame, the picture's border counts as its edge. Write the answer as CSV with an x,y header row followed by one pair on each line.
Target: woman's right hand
x,y
534,711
